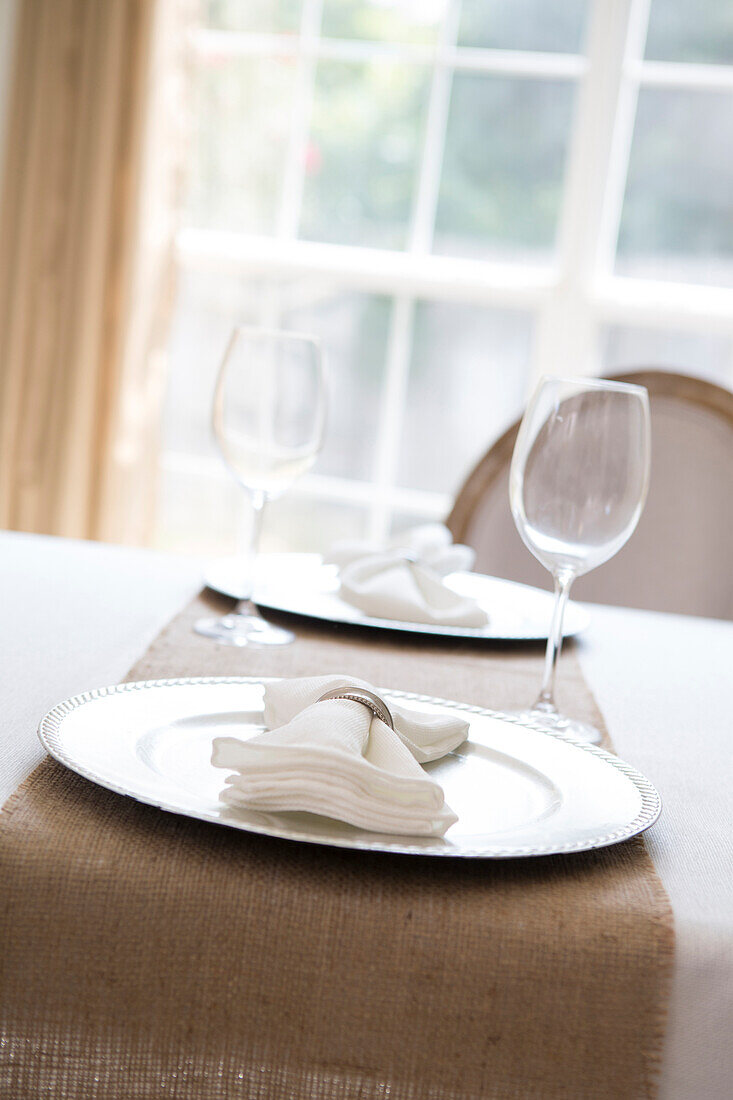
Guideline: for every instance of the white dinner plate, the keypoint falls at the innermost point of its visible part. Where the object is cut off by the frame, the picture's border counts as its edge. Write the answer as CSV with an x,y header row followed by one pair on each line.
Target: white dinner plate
x,y
302,585
517,790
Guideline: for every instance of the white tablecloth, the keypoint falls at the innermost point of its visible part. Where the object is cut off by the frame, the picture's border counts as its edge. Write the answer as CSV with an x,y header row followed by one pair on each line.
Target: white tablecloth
x,y
76,615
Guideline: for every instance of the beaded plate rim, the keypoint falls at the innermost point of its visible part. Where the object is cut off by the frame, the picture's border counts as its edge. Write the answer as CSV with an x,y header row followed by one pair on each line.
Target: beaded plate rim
x,y
49,733
577,614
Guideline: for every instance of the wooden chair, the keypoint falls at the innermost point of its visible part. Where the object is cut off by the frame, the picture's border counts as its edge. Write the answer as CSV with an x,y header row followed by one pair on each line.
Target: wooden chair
x,y
680,558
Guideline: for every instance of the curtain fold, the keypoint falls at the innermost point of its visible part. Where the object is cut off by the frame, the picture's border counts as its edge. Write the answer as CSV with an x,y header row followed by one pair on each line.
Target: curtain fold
x,y
85,268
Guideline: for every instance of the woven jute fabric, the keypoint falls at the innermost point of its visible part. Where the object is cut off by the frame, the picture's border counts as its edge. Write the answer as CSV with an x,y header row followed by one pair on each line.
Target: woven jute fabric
x,y
149,955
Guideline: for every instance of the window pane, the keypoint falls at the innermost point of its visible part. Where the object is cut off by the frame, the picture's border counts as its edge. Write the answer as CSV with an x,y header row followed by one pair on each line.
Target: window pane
x,y
198,512
352,329
207,308
260,16
546,25
467,383
709,357
307,524
503,166
240,126
677,220
383,20
683,31
207,513
200,505
362,159
405,521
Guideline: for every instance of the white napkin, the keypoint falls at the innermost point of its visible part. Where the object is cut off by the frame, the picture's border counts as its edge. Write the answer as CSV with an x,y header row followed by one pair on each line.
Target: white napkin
x,y
384,584
337,759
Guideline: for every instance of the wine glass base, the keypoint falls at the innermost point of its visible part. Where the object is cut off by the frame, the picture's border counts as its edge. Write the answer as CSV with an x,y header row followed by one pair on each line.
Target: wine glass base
x,y
583,731
243,630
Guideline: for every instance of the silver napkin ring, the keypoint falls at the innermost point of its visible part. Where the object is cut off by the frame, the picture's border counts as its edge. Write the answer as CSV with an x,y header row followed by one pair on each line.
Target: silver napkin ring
x,y
377,706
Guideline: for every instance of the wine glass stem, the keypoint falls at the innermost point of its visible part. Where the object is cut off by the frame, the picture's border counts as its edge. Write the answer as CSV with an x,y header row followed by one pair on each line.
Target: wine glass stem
x,y
546,699
257,508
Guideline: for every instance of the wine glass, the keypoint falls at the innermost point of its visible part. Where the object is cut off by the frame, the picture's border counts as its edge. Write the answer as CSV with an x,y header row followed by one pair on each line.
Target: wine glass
x,y
577,486
268,418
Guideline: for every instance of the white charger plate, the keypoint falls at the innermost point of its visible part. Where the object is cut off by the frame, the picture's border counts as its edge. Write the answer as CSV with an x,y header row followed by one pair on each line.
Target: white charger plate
x,y
518,790
302,584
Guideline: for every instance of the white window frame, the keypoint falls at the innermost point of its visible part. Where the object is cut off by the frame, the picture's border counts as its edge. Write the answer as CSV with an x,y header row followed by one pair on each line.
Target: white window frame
x,y
571,301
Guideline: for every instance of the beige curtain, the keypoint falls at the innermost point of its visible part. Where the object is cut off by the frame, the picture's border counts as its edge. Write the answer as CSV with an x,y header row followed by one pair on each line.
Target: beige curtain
x,y
84,267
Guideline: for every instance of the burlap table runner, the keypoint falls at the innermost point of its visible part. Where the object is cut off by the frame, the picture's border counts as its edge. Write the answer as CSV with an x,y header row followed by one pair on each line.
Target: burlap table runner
x,y
148,955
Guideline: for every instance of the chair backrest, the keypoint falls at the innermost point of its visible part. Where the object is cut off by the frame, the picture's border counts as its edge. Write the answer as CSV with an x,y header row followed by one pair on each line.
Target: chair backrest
x,y
680,558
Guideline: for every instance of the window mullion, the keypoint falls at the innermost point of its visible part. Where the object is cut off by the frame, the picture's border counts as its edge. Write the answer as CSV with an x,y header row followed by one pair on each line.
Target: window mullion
x,y
566,336
623,132
687,75
532,64
293,180
372,270
423,217
399,343
339,490
207,42
389,428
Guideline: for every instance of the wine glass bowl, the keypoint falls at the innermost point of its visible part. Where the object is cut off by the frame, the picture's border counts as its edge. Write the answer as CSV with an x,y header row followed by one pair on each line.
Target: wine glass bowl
x,y
268,411
268,419
577,486
580,475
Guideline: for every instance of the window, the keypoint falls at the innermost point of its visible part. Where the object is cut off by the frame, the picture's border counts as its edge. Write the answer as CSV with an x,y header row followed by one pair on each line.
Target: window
x,y
456,197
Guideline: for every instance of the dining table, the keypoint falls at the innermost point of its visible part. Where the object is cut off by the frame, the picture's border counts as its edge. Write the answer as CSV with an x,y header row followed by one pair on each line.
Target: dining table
x,y
77,615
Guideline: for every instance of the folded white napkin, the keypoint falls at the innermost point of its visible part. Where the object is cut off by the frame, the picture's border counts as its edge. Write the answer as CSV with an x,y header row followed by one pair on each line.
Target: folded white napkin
x,y
384,583
337,759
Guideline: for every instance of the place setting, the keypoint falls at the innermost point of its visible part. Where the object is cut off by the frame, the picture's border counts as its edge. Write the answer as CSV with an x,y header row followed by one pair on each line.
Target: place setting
x,y
336,759
269,428
366,517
